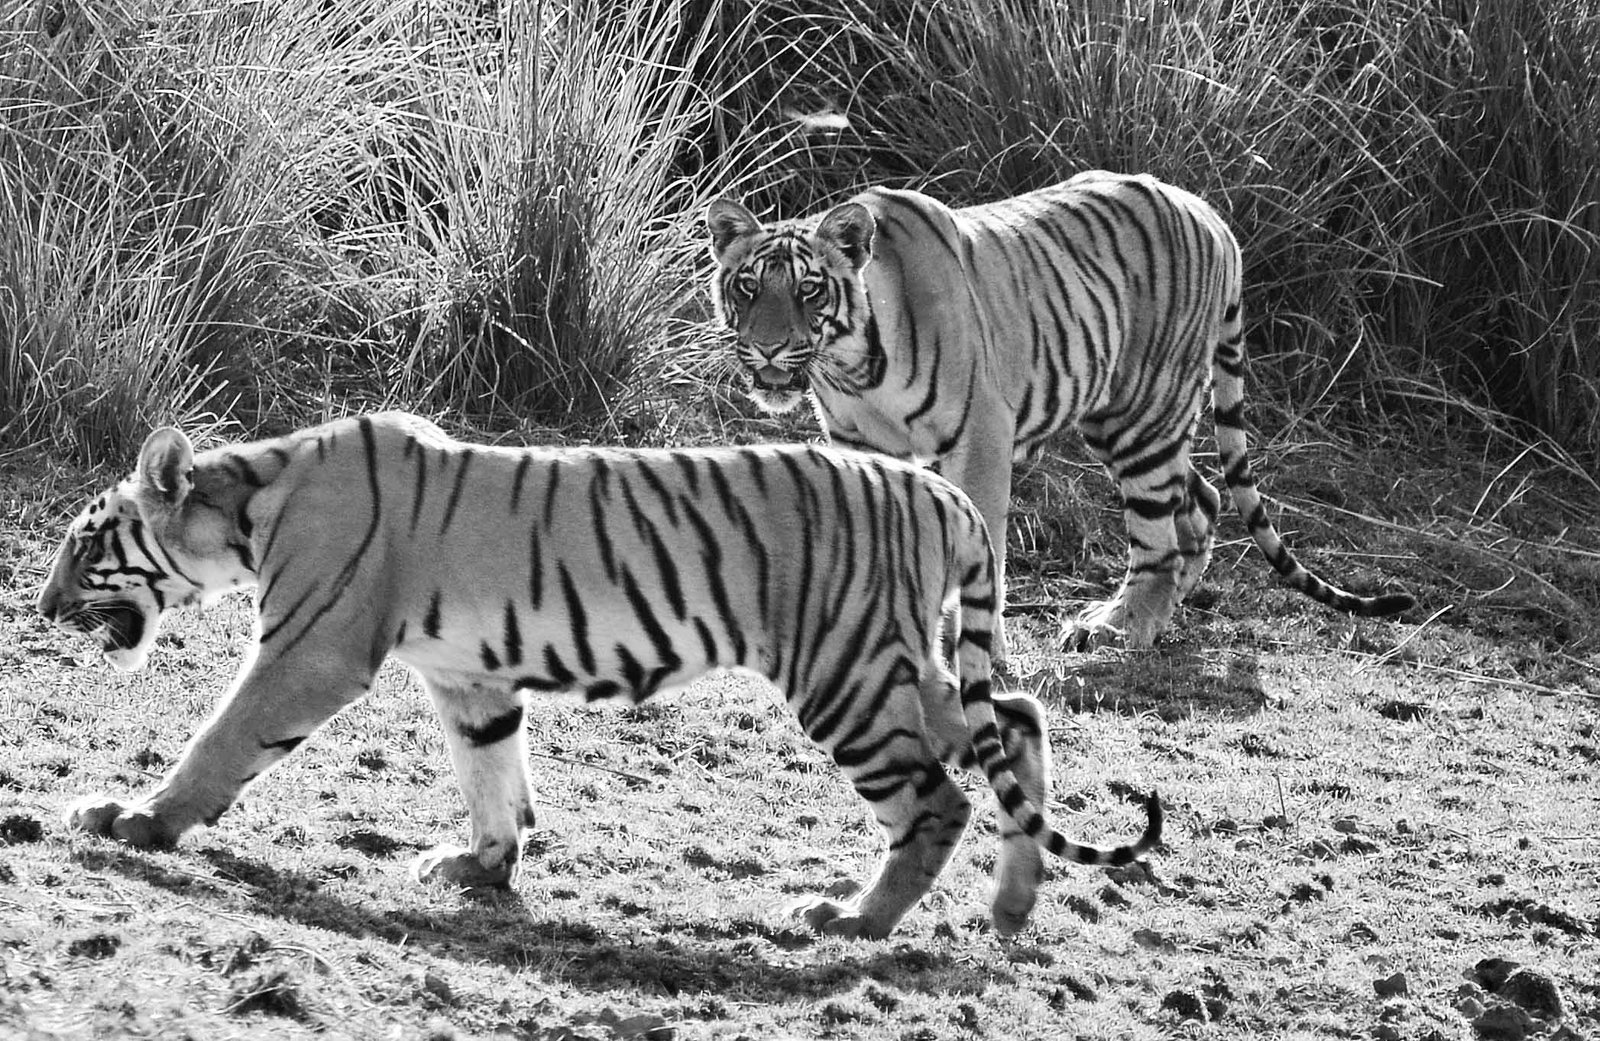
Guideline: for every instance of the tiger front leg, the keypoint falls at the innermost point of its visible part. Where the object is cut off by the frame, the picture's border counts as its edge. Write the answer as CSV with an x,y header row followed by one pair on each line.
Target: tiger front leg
x,y
1155,487
484,728
981,467
1145,602
270,710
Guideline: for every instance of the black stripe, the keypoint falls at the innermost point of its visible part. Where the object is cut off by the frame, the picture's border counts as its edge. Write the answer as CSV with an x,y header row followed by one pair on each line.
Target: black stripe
x,y
660,642
535,568
513,636
455,490
578,619
600,489
550,495
287,745
559,673
430,621
663,494
495,730
420,490
491,660
632,672
711,558
516,482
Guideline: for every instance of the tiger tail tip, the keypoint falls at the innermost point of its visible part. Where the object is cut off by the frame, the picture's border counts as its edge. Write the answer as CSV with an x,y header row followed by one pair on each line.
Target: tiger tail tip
x,y
1391,603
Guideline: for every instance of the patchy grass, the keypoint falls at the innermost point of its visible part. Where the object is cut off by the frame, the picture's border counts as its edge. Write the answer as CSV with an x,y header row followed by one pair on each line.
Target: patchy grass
x,y
1354,830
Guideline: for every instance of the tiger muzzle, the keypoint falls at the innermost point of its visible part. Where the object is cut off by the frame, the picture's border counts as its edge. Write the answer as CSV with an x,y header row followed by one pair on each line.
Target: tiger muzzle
x,y
776,378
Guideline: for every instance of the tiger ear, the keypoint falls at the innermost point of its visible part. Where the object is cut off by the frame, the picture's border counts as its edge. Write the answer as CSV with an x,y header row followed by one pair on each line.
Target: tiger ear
x,y
850,228
728,222
165,464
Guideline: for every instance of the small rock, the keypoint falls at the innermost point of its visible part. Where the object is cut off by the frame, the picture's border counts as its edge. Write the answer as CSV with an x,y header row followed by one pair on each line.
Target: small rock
x,y
1129,874
1503,1022
1186,1005
439,987
1386,1032
1534,991
19,828
1321,849
1079,989
1111,896
1402,711
1360,932
1347,826
1490,973
1357,845
1152,940
1392,986
1276,821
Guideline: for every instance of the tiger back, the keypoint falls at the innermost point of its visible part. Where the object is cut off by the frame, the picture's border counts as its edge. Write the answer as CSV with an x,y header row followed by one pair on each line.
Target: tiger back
x,y
970,336
495,572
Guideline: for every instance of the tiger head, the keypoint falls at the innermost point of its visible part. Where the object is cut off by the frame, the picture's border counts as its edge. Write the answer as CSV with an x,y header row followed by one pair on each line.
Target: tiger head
x,y
151,543
792,297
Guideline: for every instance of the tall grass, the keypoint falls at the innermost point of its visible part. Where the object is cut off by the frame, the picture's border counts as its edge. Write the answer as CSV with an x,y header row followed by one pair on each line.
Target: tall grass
x,y
269,212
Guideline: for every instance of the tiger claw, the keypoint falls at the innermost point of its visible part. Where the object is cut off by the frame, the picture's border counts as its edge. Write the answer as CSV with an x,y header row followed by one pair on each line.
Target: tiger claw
x,y
100,815
460,867
827,917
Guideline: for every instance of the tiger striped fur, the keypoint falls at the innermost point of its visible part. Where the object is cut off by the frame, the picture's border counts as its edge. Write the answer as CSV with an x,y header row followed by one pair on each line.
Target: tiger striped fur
x,y
615,573
968,337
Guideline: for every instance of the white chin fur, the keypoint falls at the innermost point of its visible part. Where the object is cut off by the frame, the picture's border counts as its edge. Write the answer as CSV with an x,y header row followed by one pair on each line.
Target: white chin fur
x,y
776,401
128,659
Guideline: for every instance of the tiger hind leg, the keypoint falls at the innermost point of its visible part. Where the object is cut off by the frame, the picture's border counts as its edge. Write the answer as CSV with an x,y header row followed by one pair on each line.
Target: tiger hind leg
x,y
1197,526
922,812
484,729
1020,867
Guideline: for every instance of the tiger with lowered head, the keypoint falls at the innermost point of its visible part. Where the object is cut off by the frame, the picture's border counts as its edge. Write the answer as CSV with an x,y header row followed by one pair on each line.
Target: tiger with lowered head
x,y
966,337
608,572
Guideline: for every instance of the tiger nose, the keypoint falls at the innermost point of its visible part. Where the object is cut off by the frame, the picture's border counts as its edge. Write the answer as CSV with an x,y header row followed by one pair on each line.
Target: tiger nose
x,y
770,349
49,603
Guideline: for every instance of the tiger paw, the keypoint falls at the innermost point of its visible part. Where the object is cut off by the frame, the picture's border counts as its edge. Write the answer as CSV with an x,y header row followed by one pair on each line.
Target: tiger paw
x,y
1098,625
460,867
99,815
831,918
1010,912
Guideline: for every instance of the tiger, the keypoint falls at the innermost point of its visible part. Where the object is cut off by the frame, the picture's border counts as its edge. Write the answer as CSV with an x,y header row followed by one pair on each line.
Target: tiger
x,y
965,338
493,572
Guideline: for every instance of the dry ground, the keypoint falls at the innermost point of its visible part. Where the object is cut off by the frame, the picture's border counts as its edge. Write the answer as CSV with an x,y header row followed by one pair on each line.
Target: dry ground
x,y
1355,831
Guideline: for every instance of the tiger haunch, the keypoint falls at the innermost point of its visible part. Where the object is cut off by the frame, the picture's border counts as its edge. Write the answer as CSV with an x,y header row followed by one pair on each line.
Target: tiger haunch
x,y
970,336
494,572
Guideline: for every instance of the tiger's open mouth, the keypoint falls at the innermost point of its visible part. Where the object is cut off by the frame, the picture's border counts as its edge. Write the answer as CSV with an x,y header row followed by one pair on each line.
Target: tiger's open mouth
x,y
119,625
124,627
774,380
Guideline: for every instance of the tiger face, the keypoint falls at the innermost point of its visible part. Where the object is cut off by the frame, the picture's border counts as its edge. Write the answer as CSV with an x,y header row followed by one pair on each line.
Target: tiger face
x,y
792,297
118,570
